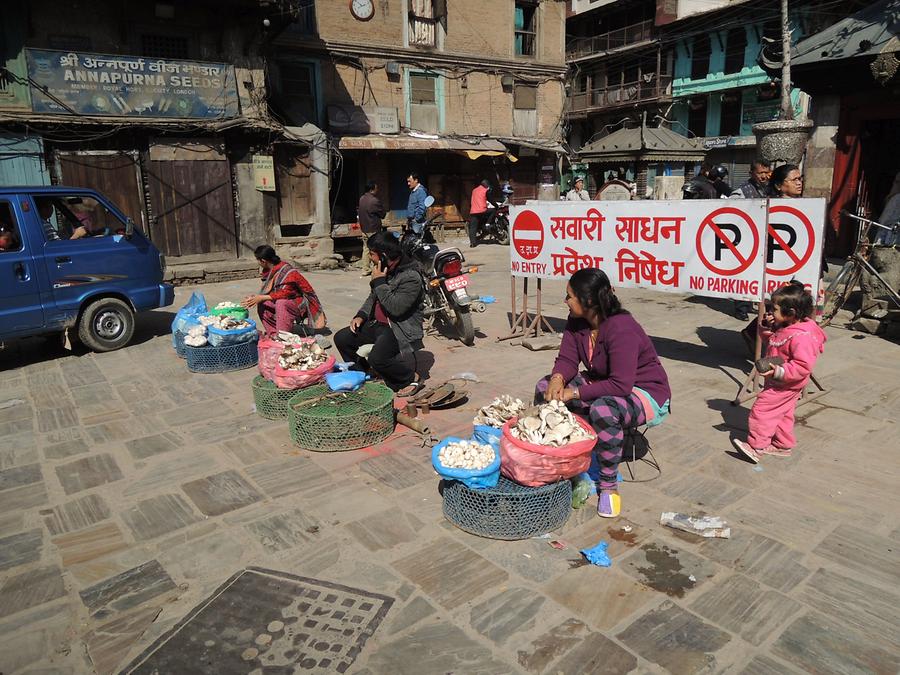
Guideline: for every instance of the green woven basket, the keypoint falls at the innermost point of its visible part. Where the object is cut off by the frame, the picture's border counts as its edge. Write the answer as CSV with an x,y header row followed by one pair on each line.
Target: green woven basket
x,y
271,402
324,421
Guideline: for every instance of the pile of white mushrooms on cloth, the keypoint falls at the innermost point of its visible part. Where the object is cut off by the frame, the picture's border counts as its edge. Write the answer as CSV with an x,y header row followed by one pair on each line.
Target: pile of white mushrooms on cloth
x,y
550,424
303,356
502,408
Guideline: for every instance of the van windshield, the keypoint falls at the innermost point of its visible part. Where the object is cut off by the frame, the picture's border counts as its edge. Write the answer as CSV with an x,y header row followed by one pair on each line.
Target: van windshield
x,y
76,217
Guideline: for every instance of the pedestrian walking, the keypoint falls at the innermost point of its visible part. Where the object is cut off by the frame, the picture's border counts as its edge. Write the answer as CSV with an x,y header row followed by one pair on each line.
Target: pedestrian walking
x,y
370,211
478,211
415,207
790,357
578,193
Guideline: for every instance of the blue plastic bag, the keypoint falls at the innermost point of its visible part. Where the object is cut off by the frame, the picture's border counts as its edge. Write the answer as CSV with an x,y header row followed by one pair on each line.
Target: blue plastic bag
x,y
477,479
597,555
345,380
189,315
488,435
218,337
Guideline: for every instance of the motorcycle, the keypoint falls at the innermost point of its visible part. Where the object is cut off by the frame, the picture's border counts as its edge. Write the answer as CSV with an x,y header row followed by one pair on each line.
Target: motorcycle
x,y
446,281
497,224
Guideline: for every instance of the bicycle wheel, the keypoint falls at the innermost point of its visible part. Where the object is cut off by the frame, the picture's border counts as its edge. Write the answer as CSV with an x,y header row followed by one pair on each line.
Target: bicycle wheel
x,y
839,290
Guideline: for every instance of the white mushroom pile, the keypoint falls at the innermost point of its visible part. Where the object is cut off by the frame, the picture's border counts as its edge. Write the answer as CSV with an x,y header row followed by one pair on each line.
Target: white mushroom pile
x,y
286,338
549,424
466,455
227,305
499,410
303,356
224,322
196,337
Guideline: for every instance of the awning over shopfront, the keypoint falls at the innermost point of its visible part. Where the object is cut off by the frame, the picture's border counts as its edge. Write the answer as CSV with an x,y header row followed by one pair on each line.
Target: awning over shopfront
x,y
478,147
535,143
644,144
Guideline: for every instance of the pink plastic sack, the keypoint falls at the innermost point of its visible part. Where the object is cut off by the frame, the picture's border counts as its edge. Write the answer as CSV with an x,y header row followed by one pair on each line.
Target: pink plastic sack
x,y
533,465
269,350
297,379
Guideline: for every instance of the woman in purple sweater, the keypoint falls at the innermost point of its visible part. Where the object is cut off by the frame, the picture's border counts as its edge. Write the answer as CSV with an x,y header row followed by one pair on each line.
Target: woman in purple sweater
x,y
624,384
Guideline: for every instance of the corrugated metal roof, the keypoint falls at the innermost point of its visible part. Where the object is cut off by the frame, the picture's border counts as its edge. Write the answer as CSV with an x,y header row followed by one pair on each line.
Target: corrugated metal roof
x,y
643,142
866,33
408,142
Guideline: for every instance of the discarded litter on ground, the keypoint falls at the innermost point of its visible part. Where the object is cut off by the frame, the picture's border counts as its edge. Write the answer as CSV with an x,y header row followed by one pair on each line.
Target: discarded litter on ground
x,y
705,526
597,555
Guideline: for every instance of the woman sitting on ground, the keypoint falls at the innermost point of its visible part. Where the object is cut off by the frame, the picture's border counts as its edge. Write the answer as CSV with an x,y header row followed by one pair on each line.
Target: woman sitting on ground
x,y
624,384
286,296
391,319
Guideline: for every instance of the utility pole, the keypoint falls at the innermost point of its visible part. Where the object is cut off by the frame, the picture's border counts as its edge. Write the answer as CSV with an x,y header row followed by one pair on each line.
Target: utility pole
x,y
787,109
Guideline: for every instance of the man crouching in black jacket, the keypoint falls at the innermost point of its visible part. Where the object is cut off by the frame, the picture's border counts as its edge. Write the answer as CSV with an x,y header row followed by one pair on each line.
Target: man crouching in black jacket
x,y
390,319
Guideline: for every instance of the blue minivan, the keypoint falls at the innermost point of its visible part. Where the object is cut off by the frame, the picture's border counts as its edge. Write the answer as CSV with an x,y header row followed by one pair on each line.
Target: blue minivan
x,y
70,259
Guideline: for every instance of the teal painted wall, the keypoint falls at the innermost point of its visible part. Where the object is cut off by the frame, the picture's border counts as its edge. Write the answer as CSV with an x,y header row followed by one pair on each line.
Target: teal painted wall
x,y
22,161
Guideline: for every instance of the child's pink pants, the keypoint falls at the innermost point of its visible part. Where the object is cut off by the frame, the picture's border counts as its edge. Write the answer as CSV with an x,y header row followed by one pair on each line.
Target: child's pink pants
x,y
772,419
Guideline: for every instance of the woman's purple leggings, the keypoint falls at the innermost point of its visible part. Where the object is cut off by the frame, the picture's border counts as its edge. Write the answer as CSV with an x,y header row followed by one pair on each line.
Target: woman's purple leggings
x,y
610,416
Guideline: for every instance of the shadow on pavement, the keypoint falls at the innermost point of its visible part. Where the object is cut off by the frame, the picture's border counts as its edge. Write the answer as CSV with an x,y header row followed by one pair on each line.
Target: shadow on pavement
x,y
734,417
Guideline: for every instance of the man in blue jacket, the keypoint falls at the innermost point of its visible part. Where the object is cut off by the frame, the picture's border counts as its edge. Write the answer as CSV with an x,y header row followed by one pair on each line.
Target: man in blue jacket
x,y
415,208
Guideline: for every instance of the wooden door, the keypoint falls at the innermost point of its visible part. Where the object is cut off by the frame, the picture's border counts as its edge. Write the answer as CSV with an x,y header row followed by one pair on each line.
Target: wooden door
x,y
193,207
292,177
115,174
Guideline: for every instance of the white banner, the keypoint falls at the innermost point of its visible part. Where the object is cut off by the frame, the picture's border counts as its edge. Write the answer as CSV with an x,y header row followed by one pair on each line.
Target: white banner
x,y
717,248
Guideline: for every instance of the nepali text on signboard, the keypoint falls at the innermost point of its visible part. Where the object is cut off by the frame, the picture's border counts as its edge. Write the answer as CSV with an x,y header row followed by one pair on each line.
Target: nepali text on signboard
x,y
719,248
101,84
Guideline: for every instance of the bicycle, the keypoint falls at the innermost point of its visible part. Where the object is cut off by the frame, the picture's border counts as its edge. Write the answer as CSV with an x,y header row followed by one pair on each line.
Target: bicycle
x,y
839,290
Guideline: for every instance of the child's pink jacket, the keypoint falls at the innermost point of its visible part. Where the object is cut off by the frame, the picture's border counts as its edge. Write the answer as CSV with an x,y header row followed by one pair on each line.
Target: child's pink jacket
x,y
799,345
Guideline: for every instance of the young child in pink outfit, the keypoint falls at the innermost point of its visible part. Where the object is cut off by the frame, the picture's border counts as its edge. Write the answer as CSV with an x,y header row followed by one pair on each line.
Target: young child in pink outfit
x,y
797,341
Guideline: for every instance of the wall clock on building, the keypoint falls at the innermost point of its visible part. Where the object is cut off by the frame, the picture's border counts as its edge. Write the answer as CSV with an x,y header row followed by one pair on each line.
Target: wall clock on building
x,y
362,10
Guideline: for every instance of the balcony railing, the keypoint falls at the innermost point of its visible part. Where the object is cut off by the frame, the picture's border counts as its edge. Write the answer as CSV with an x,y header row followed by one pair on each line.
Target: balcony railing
x,y
614,39
621,94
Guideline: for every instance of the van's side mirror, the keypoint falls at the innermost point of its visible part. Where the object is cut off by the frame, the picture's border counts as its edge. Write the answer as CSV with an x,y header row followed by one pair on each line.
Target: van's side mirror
x,y
129,228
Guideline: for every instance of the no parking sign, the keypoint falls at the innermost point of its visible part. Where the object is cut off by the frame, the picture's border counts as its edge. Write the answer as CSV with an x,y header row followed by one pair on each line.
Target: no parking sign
x,y
794,242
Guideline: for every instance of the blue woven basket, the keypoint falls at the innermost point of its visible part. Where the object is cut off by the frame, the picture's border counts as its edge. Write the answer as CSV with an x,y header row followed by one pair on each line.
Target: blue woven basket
x,y
178,343
508,511
210,359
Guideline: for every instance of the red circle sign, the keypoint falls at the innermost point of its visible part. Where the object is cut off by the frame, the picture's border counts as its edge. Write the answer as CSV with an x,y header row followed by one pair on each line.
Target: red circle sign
x,y
798,261
528,235
745,260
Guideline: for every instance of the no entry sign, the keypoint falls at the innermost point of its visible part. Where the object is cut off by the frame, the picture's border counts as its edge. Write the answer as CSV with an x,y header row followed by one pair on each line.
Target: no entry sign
x,y
528,234
717,248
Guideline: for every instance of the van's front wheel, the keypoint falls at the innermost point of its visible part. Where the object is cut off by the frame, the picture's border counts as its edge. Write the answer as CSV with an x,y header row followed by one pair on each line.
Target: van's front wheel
x,y
106,324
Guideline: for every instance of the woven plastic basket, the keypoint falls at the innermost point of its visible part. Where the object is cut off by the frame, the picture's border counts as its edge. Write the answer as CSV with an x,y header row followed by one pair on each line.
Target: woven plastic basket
x,y
324,421
211,359
508,511
178,343
271,402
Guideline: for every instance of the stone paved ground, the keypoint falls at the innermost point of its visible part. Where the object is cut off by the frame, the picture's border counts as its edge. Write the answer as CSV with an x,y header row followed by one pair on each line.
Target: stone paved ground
x,y
130,490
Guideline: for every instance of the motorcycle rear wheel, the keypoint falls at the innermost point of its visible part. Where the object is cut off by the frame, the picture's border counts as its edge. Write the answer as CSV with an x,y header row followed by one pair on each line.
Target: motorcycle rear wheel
x,y
464,327
502,230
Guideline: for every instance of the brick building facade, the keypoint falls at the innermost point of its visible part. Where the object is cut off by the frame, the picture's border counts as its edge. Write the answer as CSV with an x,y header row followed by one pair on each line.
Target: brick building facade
x,y
457,92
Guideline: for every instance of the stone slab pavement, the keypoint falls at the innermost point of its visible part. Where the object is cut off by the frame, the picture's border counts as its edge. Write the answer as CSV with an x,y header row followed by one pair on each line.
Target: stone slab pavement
x,y
131,490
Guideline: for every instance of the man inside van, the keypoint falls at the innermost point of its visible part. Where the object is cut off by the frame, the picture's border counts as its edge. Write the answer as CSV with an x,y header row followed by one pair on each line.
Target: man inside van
x,y
45,211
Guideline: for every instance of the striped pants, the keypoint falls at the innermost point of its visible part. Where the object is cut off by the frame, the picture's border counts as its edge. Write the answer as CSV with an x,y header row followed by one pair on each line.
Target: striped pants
x,y
610,416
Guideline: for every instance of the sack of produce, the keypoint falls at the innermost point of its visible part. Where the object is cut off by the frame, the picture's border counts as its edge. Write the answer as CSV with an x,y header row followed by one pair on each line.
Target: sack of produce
x,y
547,444
230,309
476,465
269,349
189,315
223,330
302,365
495,413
